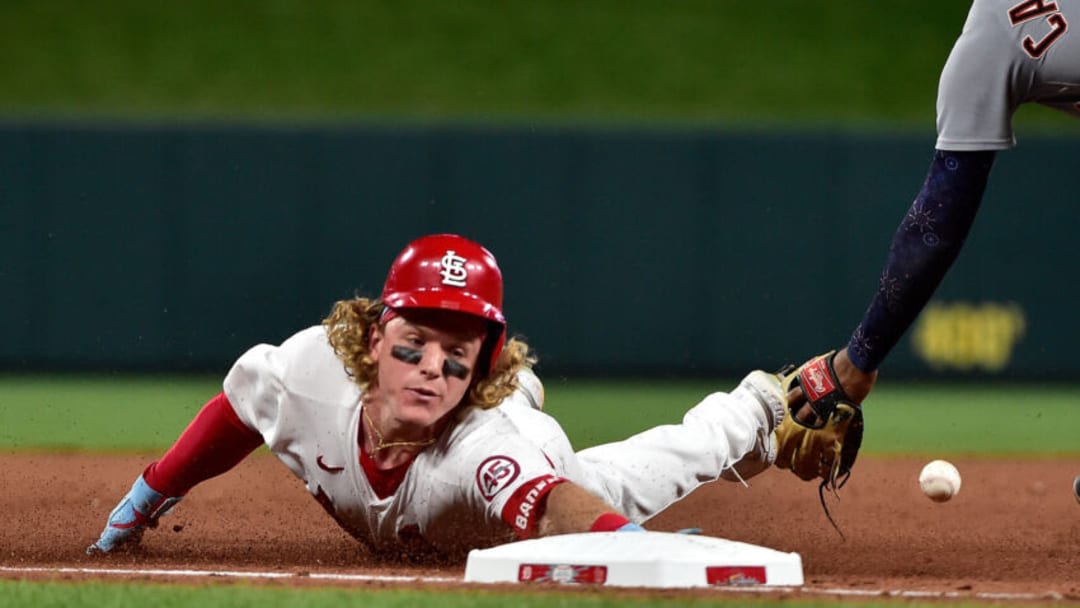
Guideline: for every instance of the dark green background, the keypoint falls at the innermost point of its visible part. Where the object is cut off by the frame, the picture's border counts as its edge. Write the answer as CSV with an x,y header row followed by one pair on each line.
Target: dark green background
x,y
672,189
658,252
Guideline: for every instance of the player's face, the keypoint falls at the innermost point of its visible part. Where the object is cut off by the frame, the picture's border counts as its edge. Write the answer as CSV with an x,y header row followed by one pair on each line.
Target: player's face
x,y
426,360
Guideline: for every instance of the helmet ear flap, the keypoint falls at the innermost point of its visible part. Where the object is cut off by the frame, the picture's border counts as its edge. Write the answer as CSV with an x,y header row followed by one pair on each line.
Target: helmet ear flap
x,y
493,347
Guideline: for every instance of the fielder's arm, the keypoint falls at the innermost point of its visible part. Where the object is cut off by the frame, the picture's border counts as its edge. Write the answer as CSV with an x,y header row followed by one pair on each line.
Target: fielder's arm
x,y
924,246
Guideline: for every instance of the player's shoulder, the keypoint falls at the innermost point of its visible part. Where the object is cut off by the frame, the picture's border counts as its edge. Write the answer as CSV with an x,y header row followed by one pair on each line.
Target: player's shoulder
x,y
308,346
478,420
313,337
312,366
304,363
481,429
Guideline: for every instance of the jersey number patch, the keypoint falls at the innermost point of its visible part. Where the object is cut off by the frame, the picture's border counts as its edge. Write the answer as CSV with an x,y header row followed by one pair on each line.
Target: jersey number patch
x,y
494,474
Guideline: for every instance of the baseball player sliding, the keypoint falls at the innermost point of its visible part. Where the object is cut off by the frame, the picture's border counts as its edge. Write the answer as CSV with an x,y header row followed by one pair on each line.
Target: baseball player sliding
x,y
1010,52
417,425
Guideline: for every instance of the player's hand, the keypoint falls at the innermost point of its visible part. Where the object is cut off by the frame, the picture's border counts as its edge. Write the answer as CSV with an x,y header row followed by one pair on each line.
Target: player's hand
x,y
822,436
826,442
139,510
856,383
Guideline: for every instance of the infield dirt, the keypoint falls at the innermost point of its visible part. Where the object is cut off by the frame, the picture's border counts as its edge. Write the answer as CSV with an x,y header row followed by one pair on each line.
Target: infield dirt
x,y
1013,528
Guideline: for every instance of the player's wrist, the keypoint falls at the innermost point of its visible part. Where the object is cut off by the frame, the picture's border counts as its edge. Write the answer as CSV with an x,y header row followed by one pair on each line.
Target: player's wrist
x,y
855,381
614,522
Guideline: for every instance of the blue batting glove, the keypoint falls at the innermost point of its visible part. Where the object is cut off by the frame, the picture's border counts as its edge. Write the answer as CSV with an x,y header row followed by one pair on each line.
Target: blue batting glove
x,y
139,510
630,527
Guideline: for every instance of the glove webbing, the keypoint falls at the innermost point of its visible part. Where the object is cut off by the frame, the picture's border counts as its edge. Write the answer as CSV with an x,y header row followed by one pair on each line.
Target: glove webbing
x,y
823,393
839,474
832,485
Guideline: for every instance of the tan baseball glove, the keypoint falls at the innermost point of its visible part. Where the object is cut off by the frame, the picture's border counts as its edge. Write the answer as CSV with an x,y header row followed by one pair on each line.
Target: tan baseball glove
x,y
822,441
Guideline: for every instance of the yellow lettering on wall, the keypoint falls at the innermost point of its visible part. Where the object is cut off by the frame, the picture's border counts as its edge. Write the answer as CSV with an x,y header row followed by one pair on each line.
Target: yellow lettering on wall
x,y
966,336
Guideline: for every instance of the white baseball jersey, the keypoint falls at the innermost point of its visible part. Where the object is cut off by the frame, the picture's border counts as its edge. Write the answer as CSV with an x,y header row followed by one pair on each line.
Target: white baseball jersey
x,y
478,485
1010,52
475,485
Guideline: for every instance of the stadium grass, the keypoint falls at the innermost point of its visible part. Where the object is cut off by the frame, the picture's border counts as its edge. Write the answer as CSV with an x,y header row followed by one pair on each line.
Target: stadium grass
x,y
99,412
139,595
130,413
698,61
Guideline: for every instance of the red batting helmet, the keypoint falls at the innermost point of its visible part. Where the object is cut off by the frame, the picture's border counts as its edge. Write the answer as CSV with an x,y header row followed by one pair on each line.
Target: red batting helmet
x,y
450,272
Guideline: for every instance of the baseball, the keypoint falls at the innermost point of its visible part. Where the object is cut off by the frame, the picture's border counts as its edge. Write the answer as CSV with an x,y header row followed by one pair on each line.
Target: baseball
x,y
939,480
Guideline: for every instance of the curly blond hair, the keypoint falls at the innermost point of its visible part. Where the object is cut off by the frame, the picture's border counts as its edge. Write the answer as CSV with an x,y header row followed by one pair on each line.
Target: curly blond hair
x,y
348,328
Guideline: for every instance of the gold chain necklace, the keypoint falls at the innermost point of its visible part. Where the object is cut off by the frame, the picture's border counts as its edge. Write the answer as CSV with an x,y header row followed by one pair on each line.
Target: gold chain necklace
x,y
381,445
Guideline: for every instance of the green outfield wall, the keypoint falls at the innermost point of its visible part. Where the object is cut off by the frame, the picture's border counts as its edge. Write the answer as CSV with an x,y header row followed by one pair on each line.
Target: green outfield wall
x,y
626,252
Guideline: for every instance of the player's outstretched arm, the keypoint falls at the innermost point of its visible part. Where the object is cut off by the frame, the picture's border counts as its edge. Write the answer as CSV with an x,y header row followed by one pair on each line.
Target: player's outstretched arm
x,y
924,246
571,508
923,249
214,442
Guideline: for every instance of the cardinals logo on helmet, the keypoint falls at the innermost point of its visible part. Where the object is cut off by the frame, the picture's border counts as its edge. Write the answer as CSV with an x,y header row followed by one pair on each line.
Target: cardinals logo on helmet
x,y
453,270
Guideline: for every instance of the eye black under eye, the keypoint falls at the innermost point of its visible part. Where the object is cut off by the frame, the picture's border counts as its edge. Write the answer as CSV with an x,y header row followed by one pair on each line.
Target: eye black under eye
x,y
455,369
407,354
414,355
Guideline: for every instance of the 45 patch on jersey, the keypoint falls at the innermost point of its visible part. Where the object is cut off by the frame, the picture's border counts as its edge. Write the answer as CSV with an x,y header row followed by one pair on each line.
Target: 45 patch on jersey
x,y
495,474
